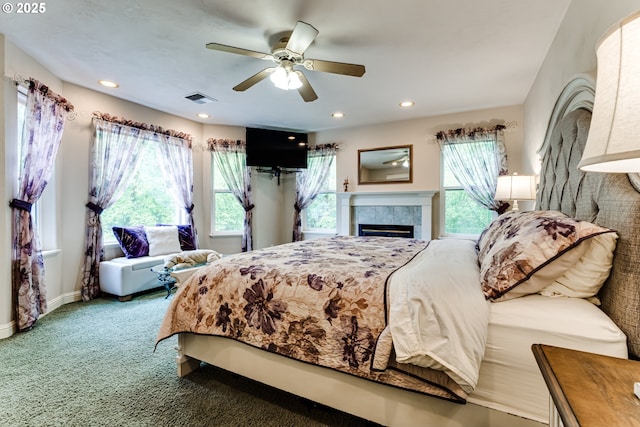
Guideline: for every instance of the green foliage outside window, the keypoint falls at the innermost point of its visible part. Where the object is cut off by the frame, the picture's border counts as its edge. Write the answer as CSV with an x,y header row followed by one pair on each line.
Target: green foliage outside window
x,y
321,213
229,212
146,200
463,215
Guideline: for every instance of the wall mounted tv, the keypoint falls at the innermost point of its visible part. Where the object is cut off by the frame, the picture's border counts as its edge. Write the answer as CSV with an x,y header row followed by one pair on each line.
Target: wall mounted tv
x,y
276,149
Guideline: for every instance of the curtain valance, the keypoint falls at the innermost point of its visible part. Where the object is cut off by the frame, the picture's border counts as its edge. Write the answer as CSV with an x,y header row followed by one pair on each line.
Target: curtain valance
x,y
453,136
322,149
44,91
226,145
149,129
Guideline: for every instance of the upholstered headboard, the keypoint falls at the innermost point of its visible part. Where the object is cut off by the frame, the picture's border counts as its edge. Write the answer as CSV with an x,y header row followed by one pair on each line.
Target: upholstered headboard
x,y
609,200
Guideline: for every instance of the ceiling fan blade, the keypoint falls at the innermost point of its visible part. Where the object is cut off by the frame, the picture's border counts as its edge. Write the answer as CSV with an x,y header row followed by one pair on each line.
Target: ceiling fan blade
x,y
306,91
302,36
256,78
334,67
401,159
238,50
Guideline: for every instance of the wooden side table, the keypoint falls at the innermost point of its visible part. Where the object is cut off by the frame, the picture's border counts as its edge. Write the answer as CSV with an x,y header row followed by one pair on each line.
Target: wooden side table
x,y
589,389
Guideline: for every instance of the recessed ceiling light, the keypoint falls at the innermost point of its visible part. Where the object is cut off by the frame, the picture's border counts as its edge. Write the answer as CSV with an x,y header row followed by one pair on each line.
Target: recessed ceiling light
x,y
107,83
337,115
203,115
407,103
291,137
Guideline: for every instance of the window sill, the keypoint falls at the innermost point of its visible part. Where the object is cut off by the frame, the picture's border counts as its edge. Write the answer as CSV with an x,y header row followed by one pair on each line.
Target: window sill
x,y
226,234
50,253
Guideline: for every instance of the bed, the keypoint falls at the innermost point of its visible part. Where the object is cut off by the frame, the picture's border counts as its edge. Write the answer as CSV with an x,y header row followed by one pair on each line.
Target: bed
x,y
340,324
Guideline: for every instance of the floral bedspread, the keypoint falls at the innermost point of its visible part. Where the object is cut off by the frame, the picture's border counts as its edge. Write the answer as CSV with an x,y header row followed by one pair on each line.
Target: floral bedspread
x,y
321,301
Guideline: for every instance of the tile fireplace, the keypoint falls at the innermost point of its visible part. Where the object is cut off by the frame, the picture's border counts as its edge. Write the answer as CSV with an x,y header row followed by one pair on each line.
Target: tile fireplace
x,y
403,208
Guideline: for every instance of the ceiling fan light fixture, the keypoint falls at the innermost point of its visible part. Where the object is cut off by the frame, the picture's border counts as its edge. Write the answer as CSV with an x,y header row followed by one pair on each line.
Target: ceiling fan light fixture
x,y
285,79
294,80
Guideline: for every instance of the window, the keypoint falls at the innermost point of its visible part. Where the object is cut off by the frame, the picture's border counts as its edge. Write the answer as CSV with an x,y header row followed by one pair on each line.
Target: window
x,y
22,108
462,215
320,215
145,201
228,214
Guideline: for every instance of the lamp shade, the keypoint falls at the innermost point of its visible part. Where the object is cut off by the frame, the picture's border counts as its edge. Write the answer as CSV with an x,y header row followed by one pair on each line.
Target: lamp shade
x,y
516,187
613,143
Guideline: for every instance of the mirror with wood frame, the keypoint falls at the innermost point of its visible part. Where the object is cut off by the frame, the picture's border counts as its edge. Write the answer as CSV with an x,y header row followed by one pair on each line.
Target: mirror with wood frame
x,y
385,165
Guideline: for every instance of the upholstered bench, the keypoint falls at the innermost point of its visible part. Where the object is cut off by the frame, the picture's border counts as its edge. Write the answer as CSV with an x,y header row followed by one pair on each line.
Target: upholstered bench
x,y
149,250
124,277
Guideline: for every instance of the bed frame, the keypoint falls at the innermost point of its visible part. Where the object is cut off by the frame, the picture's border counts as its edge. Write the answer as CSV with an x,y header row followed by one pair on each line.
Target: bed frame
x,y
594,197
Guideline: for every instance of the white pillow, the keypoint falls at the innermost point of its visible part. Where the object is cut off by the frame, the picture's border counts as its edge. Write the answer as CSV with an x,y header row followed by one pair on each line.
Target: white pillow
x,y
162,240
587,276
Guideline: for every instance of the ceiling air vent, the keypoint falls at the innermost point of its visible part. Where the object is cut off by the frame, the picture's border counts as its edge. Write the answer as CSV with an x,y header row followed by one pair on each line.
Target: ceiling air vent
x,y
200,98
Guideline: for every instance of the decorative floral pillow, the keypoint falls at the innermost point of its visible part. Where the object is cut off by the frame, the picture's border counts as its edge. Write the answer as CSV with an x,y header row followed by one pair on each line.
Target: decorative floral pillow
x,y
185,236
521,253
132,241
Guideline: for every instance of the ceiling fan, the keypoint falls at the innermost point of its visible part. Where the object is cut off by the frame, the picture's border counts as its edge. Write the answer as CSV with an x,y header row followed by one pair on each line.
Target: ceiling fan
x,y
403,160
288,53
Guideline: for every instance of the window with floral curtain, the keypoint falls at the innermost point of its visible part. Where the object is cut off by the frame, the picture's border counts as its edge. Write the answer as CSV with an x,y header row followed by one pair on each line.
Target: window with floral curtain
x,y
115,154
230,158
475,158
44,120
309,181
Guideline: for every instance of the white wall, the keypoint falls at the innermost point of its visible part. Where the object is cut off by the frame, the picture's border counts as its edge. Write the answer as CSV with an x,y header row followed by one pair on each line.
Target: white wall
x,y
572,52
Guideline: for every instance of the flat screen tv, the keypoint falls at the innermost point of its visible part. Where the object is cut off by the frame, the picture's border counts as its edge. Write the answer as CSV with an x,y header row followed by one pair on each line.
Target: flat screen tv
x,y
276,149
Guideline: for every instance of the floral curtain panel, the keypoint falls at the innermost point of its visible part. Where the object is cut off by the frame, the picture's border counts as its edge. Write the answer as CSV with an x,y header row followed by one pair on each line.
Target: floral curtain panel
x,y
114,156
310,180
231,160
176,157
476,157
45,116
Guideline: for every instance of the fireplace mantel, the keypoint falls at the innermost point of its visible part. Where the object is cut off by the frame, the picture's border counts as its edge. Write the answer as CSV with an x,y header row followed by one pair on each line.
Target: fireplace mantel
x,y
348,200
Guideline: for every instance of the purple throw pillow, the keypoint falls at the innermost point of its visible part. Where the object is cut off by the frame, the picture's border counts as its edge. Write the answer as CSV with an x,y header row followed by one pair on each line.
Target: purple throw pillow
x,y
132,240
185,236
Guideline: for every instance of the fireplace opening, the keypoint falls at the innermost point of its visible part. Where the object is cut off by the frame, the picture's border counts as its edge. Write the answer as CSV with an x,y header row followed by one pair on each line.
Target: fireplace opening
x,y
385,230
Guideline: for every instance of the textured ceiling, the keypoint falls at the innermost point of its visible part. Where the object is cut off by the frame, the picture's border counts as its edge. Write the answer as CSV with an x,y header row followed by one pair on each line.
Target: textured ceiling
x,y
446,56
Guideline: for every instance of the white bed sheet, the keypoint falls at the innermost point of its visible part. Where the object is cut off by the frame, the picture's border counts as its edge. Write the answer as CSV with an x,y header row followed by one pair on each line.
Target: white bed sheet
x,y
510,380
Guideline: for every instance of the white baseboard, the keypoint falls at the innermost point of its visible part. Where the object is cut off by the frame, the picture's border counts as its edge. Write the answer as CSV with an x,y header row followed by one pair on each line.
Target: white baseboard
x,y
9,329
